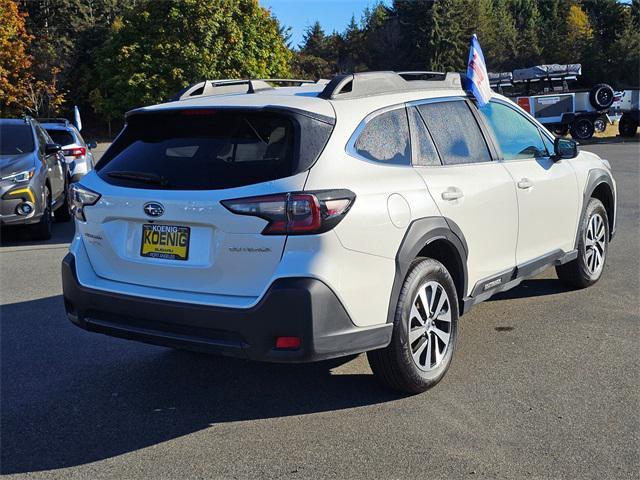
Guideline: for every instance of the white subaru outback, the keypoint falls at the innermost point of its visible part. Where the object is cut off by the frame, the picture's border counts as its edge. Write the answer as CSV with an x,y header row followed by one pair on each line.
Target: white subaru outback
x,y
302,223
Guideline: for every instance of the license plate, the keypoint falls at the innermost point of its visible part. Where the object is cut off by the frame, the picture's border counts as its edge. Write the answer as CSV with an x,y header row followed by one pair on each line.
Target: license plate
x,y
169,242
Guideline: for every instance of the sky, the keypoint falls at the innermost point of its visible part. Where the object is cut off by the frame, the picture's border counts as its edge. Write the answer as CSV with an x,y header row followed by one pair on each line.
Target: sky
x,y
332,14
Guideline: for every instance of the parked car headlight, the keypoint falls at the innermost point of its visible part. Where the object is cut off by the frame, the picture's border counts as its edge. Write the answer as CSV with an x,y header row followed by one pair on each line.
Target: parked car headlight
x,y
20,177
80,197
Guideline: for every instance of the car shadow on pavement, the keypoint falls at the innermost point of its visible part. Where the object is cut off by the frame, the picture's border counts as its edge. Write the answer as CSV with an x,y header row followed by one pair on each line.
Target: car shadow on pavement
x,y
534,287
71,397
20,236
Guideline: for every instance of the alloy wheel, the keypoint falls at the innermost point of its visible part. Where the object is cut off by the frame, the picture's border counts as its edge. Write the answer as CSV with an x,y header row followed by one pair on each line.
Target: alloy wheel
x,y
595,243
429,329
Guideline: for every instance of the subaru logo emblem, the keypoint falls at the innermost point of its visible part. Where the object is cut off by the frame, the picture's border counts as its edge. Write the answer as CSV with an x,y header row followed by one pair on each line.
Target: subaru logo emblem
x,y
153,209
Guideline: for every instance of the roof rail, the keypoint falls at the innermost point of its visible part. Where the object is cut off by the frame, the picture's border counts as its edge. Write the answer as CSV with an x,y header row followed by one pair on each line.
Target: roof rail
x,y
296,81
422,75
220,87
364,84
63,121
235,85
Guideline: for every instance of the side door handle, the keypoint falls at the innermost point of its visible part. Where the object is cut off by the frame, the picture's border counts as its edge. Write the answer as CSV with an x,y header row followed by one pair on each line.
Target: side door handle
x,y
525,183
452,193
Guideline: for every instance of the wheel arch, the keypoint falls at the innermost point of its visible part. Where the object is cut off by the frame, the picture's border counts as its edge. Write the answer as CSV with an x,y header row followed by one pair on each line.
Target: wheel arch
x,y
438,238
600,186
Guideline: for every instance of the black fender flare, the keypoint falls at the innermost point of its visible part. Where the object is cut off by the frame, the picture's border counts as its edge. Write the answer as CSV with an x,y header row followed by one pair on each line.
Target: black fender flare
x,y
597,177
419,234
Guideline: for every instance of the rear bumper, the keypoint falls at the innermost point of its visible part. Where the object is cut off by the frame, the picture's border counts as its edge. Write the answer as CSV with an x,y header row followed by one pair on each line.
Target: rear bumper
x,y
298,307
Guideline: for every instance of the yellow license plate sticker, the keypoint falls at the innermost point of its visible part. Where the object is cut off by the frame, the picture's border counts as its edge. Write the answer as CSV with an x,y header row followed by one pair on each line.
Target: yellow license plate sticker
x,y
169,242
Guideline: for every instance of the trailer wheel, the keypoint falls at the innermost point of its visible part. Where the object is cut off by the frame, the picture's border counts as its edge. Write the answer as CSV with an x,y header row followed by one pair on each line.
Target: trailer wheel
x,y
627,126
600,124
582,129
601,96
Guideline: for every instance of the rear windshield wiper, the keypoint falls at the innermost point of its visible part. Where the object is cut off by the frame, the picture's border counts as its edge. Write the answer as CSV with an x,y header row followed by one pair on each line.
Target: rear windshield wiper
x,y
149,178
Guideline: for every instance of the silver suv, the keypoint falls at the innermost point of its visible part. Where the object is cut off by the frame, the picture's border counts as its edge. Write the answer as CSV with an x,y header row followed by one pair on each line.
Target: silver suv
x,y
77,152
33,177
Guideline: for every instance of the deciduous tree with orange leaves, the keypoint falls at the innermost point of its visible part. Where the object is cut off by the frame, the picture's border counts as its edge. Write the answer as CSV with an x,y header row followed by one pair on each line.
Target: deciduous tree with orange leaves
x,y
15,62
20,91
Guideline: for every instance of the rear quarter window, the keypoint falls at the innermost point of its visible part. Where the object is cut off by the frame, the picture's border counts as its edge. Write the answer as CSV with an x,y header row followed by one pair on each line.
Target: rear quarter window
x,y
385,138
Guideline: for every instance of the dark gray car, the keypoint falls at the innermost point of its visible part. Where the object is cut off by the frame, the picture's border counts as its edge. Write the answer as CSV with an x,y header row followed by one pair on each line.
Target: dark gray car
x,y
33,177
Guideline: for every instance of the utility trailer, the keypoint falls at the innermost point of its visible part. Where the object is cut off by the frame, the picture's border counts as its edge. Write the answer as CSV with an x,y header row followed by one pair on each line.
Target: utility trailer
x,y
544,92
627,107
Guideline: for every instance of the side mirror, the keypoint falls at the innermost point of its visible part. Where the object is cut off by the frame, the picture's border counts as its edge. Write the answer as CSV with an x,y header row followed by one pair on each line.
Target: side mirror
x,y
565,148
92,145
52,148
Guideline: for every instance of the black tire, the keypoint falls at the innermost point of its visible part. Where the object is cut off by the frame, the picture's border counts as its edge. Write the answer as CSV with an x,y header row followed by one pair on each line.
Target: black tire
x,y
582,129
63,213
601,96
579,273
627,126
42,229
561,130
394,366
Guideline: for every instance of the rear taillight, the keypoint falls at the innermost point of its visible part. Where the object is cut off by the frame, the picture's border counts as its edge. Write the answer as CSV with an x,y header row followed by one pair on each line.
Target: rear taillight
x,y
75,152
79,198
297,213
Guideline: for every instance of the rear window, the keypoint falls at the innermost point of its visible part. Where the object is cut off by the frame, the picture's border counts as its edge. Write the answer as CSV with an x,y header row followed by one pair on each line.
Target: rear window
x,y
209,150
61,136
15,139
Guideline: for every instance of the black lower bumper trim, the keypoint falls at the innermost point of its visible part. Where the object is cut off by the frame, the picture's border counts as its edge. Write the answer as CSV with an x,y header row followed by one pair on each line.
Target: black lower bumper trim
x,y
293,307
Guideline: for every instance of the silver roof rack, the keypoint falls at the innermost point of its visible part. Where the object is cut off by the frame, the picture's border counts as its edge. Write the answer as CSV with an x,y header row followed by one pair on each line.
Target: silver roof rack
x,y
221,87
234,85
364,84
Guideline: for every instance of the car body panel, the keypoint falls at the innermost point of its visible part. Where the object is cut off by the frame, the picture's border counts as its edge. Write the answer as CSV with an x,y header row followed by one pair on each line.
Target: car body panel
x,y
546,220
227,255
487,212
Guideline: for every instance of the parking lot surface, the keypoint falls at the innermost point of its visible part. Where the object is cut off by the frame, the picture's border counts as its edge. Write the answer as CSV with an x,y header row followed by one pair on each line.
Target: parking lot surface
x,y
544,384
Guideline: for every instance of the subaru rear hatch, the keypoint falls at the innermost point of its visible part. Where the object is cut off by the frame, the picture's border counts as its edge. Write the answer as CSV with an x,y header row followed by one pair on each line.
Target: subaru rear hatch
x,y
160,222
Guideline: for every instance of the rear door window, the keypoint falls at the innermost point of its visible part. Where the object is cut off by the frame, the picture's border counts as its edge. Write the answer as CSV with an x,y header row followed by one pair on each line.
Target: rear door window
x,y
201,150
455,132
424,152
385,138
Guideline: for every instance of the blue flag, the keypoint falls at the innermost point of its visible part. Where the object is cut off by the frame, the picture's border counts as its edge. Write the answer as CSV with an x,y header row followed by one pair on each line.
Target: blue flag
x,y
477,73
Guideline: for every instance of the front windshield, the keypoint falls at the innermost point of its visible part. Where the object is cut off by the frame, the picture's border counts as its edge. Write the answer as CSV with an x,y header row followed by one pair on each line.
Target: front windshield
x,y
15,139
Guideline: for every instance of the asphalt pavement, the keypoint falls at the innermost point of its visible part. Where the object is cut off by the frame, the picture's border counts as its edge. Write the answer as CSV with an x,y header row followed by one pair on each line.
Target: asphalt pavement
x,y
544,384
